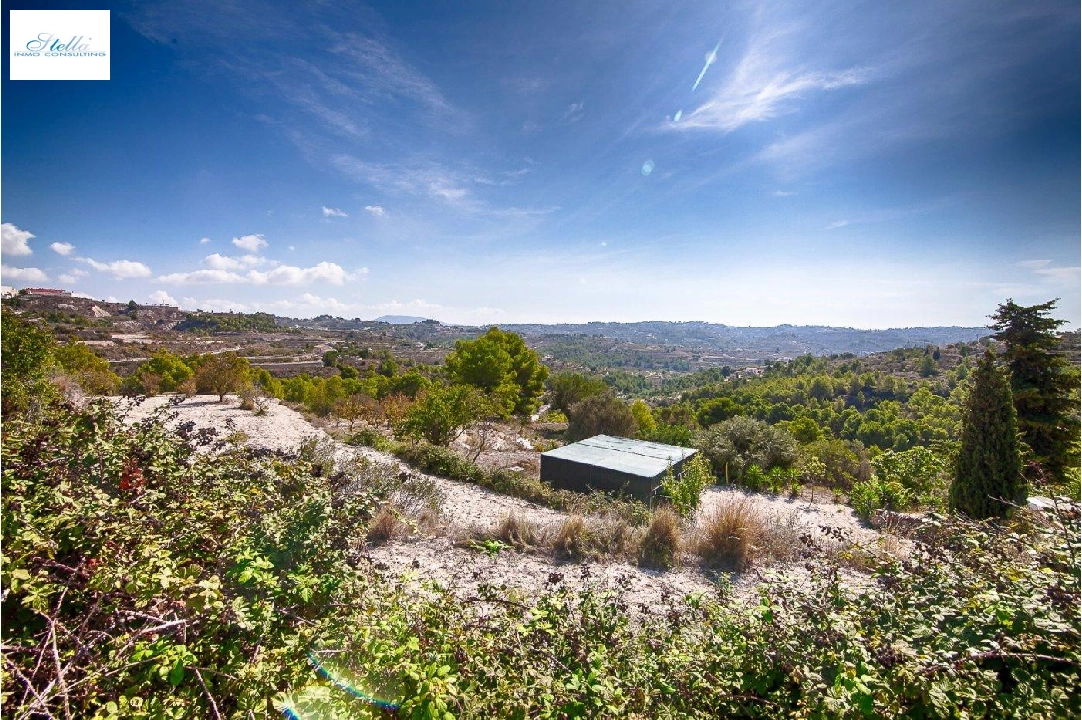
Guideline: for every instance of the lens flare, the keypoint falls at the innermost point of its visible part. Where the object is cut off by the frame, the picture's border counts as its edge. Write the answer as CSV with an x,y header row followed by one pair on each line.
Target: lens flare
x,y
313,702
647,168
711,58
679,114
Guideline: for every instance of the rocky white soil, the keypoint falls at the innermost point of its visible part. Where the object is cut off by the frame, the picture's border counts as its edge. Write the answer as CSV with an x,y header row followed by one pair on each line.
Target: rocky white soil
x,y
467,507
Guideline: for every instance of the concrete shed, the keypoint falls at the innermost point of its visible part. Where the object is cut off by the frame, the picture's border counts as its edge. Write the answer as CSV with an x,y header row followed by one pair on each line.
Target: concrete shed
x,y
609,463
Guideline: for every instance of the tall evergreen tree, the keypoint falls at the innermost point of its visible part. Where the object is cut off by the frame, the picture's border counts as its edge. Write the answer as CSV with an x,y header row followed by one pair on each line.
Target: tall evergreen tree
x,y
1041,383
989,471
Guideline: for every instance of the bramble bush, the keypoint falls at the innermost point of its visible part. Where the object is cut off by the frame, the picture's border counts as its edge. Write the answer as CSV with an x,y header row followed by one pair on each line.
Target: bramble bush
x,y
148,573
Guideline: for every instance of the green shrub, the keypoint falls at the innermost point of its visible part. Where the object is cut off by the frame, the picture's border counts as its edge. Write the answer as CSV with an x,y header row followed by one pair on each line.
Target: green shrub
x,y
684,492
371,437
875,494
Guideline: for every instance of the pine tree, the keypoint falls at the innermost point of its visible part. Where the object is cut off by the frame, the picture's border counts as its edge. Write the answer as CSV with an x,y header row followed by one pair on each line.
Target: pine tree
x,y
988,477
1041,383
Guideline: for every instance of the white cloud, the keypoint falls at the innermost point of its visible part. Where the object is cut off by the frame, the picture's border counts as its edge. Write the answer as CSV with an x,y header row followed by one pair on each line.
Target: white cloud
x,y
574,112
251,243
224,270
204,241
312,304
30,274
289,275
199,277
784,193
120,269
71,277
217,261
222,262
1053,273
13,240
836,225
62,248
161,297
216,305
333,212
375,210
292,248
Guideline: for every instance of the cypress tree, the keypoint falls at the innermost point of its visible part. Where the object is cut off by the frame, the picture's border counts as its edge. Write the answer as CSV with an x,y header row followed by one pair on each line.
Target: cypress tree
x,y
988,477
1041,383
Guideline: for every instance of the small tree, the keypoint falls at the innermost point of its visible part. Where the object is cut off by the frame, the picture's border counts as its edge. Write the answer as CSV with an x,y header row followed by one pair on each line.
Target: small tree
x,y
164,371
221,374
568,388
603,414
988,478
442,413
645,424
353,408
500,364
27,356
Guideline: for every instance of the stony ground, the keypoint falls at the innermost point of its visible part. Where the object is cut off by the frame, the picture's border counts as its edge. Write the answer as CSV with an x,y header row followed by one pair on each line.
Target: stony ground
x,y
445,556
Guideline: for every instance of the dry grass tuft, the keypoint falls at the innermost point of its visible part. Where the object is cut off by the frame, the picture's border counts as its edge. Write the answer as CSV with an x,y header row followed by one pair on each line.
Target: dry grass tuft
x,y
384,527
660,546
518,532
729,536
573,539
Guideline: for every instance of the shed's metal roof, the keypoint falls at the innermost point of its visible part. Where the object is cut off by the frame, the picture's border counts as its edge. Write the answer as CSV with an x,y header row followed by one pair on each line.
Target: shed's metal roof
x,y
636,457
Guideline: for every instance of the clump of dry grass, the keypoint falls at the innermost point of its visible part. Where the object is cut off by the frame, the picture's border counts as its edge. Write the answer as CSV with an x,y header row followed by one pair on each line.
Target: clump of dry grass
x,y
728,537
779,537
518,532
572,540
614,536
660,546
384,527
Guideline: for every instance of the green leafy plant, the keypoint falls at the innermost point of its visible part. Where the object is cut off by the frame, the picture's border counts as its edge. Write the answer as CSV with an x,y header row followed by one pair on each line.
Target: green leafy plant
x,y
684,492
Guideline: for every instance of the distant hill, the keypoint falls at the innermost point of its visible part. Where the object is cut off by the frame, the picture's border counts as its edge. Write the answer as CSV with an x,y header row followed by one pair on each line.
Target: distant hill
x,y
400,319
783,340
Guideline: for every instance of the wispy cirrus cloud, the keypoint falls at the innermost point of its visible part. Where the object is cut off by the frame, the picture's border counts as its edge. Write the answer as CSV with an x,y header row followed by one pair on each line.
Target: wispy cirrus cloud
x,y
765,83
454,188
344,82
329,212
417,177
1053,273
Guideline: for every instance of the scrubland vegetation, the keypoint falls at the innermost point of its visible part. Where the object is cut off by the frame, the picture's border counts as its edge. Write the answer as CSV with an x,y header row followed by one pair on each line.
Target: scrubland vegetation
x,y
144,576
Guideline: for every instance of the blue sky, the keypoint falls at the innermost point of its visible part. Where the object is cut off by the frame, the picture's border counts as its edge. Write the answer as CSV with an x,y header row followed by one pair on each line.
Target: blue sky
x,y
860,164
